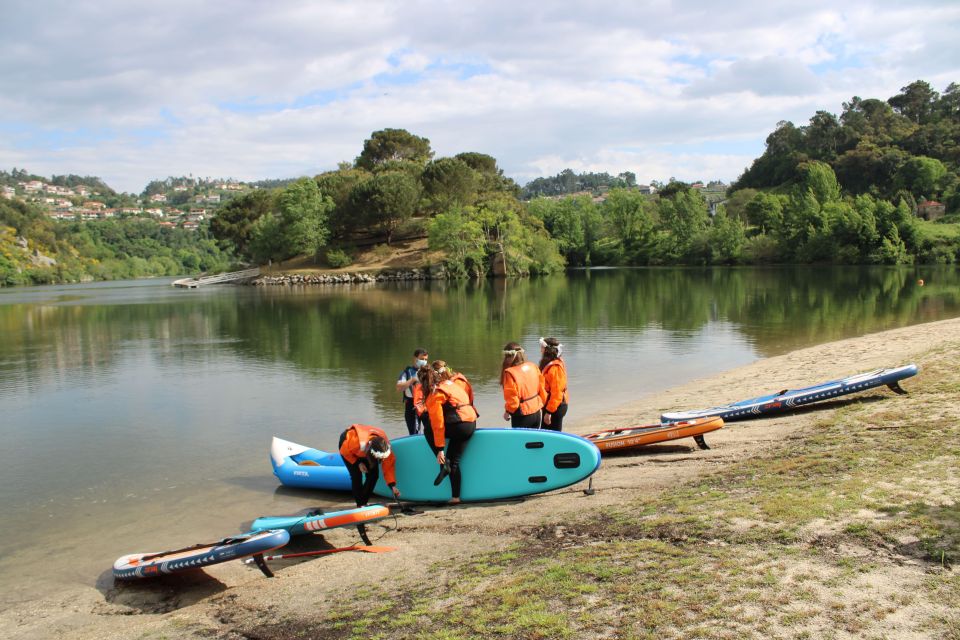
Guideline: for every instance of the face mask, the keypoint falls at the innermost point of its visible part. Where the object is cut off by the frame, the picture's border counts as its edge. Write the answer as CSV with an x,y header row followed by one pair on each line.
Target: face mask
x,y
421,363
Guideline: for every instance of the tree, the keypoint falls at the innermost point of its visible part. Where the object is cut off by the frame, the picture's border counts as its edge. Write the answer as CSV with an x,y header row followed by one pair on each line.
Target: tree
x,y
448,183
393,144
820,179
916,101
303,214
385,201
233,224
337,185
463,241
921,176
630,220
765,211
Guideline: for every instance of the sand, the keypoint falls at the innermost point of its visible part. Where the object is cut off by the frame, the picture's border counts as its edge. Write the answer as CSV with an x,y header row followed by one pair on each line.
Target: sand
x,y
233,595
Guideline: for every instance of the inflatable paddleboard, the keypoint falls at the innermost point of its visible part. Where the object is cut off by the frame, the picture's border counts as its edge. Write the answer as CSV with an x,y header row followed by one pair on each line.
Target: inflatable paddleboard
x,y
310,523
497,463
634,437
299,466
792,398
148,565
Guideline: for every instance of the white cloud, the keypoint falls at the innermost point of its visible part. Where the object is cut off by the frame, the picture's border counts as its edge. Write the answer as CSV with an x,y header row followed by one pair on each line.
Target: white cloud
x,y
134,91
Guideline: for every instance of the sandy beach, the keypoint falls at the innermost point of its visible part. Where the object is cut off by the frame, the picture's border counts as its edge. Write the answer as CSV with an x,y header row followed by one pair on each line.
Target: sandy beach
x,y
227,599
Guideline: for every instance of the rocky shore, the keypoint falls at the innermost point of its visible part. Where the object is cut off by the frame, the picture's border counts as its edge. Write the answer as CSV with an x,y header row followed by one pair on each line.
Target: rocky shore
x,y
358,277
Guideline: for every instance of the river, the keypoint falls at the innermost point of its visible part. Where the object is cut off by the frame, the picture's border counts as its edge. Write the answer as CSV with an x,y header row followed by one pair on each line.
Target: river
x,y
138,417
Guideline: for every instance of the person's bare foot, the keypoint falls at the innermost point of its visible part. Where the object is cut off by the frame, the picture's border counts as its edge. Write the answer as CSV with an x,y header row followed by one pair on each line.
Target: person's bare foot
x,y
453,501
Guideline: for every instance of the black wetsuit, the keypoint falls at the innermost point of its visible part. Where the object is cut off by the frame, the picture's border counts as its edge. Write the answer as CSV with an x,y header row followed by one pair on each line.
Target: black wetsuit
x,y
456,435
530,421
556,418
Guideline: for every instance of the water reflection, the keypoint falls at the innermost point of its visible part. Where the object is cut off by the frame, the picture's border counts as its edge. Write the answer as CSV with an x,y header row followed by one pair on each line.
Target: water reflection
x,y
120,399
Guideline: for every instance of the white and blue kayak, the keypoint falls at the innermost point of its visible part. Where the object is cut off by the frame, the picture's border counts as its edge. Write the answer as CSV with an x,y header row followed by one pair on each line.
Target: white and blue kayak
x,y
789,399
148,565
313,522
497,464
299,466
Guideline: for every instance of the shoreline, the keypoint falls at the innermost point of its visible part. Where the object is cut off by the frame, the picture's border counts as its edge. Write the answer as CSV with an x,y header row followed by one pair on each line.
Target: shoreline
x,y
233,596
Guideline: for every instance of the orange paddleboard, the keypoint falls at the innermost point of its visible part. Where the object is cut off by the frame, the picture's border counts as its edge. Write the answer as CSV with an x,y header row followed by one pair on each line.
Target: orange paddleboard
x,y
633,437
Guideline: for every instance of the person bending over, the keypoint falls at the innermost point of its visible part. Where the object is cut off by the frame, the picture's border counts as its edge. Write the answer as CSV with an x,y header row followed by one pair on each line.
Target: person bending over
x,y
364,449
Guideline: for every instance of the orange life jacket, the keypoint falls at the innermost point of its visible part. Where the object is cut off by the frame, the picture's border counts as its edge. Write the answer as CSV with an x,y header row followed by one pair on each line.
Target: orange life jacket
x,y
562,376
458,407
419,401
528,380
357,444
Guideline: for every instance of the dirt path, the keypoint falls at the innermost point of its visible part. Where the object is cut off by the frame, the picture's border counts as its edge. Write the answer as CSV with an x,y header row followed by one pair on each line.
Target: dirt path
x,y
234,596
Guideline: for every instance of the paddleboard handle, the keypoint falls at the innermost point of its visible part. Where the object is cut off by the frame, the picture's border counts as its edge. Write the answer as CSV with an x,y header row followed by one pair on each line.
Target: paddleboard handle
x,y
262,565
701,442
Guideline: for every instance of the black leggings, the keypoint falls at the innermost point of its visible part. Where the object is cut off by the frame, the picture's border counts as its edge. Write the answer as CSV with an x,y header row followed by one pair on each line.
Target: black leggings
x,y
410,416
456,434
529,421
361,487
556,418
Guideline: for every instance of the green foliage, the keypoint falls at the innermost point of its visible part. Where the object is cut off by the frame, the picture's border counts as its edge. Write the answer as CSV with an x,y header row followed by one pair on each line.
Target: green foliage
x,y
463,241
233,224
389,145
567,182
338,258
922,177
447,183
385,201
303,214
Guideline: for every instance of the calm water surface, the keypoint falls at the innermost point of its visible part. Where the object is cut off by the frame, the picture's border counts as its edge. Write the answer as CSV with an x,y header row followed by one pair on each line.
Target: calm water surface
x,y
138,417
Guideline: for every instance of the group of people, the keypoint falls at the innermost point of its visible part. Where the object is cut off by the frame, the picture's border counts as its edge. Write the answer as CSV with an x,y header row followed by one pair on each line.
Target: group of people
x,y
438,402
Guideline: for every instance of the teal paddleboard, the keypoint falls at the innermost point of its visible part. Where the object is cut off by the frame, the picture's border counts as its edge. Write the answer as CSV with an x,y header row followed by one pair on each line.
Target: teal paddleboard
x,y
497,463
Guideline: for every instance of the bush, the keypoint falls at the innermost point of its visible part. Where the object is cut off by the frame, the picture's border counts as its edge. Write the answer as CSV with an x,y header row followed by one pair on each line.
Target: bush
x,y
338,258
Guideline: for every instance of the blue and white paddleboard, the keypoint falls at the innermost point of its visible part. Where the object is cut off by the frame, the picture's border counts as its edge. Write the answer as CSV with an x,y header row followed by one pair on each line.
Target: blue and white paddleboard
x,y
312,522
497,463
148,565
791,398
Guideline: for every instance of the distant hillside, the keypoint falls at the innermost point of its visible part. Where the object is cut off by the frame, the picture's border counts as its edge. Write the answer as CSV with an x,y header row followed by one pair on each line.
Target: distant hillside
x,y
907,146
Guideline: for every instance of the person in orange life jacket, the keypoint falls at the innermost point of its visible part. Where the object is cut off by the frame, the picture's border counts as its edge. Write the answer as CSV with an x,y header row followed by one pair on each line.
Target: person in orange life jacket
x,y
554,372
453,420
523,391
364,449
407,385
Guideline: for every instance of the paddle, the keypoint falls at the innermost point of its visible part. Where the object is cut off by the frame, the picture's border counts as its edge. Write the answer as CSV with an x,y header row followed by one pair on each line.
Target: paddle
x,y
322,552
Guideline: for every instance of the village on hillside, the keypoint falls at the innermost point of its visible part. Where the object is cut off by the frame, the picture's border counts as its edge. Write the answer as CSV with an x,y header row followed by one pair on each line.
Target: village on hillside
x,y
184,203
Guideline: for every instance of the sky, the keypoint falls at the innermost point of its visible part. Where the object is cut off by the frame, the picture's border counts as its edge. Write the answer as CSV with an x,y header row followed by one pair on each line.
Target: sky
x,y
135,91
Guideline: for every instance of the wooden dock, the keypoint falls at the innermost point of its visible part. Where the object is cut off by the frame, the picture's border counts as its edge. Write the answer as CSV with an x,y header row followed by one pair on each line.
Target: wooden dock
x,y
220,278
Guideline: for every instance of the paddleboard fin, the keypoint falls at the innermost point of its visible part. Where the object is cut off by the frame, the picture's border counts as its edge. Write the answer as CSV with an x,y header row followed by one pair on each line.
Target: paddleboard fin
x,y
589,490
363,534
896,388
701,442
262,565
